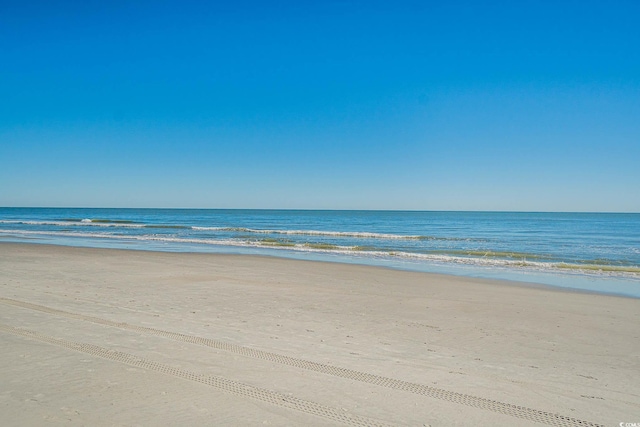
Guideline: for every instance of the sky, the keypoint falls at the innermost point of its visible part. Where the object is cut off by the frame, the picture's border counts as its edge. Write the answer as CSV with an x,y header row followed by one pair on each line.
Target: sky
x,y
425,105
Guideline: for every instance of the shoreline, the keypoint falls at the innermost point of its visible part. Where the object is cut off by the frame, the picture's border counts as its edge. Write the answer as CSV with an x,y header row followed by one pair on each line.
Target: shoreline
x,y
346,343
479,280
454,270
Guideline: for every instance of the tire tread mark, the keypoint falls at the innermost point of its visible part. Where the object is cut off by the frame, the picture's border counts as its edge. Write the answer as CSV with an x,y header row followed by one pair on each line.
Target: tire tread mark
x,y
517,411
223,384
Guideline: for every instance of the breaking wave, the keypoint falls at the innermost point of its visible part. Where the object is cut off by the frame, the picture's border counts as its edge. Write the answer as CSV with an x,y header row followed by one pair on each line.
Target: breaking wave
x,y
356,234
477,258
87,222
96,223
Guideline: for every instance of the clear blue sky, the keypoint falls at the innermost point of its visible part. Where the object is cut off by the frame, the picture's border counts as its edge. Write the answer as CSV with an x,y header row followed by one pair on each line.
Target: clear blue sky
x,y
443,105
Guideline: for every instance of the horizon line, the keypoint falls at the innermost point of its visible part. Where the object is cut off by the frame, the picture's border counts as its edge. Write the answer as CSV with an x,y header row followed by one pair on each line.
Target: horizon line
x,y
322,209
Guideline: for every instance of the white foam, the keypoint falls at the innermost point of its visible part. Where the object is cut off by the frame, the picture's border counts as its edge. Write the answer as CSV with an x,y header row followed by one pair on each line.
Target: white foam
x,y
362,234
343,250
83,223
209,228
357,234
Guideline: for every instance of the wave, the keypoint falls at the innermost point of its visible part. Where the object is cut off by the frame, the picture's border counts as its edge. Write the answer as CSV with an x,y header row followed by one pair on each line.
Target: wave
x,y
99,220
109,221
357,234
599,268
496,254
169,227
132,224
453,257
95,223
81,223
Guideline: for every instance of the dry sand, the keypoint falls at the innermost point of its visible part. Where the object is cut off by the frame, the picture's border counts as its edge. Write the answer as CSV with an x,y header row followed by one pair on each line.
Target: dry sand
x,y
114,337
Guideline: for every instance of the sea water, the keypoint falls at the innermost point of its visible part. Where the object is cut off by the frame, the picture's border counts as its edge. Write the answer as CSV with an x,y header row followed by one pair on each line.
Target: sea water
x,y
589,251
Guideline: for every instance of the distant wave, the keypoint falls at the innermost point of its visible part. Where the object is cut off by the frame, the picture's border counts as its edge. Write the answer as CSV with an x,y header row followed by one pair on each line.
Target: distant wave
x,y
98,220
75,223
489,259
357,234
108,221
133,224
94,223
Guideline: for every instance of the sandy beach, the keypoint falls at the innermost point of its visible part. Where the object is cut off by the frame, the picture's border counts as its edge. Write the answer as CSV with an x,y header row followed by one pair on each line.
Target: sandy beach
x,y
114,337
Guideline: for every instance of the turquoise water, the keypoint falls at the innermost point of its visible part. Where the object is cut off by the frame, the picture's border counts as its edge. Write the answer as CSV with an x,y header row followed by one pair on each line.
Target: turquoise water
x,y
590,251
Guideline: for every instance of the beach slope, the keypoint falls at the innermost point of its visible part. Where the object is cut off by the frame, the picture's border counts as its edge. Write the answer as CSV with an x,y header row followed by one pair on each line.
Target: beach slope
x,y
117,337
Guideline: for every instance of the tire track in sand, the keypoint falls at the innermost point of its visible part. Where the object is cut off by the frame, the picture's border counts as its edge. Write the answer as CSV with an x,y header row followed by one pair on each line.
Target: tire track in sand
x,y
516,411
220,383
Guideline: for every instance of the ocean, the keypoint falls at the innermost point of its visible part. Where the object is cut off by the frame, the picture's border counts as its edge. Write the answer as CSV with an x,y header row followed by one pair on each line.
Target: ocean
x,y
588,251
